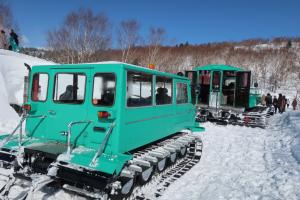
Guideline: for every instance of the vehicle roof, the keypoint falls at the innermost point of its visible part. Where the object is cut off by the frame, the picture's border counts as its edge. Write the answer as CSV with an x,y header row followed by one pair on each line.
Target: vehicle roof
x,y
110,64
218,68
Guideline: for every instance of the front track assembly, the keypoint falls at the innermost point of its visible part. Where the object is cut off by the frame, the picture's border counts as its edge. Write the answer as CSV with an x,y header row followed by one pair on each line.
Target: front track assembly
x,y
146,176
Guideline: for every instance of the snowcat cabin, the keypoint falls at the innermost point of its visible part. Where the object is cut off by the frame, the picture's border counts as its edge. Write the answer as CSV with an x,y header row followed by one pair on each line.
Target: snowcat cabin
x,y
89,98
220,86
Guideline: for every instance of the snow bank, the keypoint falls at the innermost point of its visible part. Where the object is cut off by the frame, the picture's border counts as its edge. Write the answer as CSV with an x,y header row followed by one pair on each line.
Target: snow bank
x,y
291,122
12,72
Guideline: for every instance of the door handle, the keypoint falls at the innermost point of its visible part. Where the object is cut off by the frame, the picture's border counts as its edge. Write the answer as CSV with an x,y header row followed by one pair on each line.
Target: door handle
x,y
64,133
51,112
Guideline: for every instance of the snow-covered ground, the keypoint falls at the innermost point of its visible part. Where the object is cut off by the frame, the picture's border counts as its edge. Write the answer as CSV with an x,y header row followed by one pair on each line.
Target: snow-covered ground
x,y
245,163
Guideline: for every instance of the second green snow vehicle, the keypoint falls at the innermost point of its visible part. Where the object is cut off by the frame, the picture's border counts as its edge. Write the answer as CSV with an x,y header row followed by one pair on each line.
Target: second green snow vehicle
x,y
225,95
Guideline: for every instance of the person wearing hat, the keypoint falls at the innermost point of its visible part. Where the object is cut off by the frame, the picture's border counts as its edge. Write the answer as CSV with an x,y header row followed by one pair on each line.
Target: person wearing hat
x,y
68,94
13,41
294,103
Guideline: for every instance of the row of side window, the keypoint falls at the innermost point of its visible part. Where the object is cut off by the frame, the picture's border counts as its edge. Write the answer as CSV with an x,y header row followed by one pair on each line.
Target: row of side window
x,y
70,88
139,90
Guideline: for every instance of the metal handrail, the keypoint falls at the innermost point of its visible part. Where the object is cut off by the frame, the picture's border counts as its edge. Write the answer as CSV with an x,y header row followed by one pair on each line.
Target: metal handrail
x,y
71,124
20,124
103,144
21,130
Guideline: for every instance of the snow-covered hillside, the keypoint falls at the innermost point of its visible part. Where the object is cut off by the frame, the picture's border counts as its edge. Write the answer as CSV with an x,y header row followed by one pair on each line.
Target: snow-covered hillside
x,y
245,163
12,72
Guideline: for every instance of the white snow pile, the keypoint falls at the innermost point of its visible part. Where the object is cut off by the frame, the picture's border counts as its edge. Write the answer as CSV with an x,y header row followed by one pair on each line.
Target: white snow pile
x,y
12,72
245,163
292,122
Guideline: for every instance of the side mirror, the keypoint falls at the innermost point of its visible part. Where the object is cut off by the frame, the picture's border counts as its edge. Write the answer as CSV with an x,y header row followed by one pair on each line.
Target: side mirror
x,y
197,89
255,84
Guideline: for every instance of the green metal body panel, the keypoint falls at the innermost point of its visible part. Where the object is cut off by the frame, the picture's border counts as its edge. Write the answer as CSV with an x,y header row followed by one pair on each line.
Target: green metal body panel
x,y
4,135
252,101
255,97
134,126
217,68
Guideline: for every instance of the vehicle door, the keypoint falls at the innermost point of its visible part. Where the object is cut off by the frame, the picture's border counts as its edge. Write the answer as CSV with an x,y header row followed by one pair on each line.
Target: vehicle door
x,y
192,75
215,90
69,101
102,108
242,89
185,110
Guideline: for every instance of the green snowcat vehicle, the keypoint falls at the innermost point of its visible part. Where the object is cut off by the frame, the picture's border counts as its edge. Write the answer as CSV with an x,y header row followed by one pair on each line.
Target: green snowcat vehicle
x,y
99,130
225,95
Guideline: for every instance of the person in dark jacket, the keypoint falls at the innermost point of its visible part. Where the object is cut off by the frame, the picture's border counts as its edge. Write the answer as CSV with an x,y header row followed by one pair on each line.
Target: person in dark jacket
x,y
68,94
279,103
284,102
294,103
275,104
13,41
269,100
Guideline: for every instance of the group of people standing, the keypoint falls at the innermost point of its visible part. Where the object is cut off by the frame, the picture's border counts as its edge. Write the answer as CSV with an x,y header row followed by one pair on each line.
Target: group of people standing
x,y
9,43
280,103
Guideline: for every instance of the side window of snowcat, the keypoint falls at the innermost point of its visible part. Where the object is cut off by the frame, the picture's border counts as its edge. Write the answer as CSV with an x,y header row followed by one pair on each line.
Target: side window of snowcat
x,y
69,88
216,81
163,90
204,78
181,93
39,87
139,89
104,89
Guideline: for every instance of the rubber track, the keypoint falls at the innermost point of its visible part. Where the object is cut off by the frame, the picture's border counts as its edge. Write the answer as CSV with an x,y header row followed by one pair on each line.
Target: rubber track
x,y
160,182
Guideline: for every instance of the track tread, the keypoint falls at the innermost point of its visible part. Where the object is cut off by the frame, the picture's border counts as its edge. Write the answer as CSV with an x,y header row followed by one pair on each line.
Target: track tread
x,y
160,182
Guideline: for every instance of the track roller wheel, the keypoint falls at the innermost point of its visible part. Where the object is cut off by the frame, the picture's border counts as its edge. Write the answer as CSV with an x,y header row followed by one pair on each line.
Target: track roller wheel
x,y
127,186
161,165
146,175
183,151
173,158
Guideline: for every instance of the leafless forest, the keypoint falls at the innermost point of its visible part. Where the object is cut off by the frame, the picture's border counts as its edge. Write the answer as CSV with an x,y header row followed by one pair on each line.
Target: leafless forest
x,y
84,36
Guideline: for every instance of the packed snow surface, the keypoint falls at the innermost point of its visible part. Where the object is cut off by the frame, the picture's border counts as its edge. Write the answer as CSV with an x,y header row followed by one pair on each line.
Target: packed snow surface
x,y
245,163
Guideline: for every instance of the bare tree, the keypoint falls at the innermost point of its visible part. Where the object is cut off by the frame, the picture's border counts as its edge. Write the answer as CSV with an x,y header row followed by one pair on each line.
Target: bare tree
x,y
128,38
81,35
156,39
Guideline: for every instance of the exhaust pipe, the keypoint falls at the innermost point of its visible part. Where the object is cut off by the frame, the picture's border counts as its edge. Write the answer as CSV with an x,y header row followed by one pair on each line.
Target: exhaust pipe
x,y
26,84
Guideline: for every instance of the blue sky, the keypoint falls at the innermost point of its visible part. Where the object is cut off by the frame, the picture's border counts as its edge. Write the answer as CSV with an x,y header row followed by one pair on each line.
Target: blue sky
x,y
195,21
